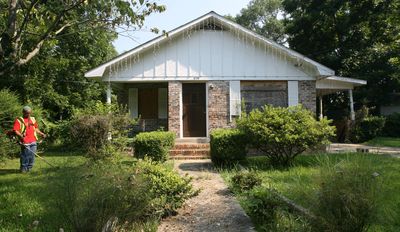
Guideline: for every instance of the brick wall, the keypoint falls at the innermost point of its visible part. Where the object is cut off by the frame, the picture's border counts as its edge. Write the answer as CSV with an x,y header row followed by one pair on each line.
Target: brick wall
x,y
174,91
308,95
218,105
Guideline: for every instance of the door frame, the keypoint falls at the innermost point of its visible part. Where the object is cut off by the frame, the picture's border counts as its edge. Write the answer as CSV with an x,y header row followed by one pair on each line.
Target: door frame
x,y
206,85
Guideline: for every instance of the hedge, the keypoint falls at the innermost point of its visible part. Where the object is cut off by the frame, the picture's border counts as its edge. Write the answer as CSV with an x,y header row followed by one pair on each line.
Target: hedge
x,y
392,125
154,145
227,146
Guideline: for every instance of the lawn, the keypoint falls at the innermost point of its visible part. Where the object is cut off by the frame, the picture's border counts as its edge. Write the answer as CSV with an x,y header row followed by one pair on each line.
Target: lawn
x,y
41,196
299,184
384,142
25,198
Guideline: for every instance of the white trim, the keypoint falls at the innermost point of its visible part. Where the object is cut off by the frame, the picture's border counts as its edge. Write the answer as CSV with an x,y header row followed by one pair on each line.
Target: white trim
x,y
321,69
234,99
181,111
108,93
213,78
347,80
207,85
293,93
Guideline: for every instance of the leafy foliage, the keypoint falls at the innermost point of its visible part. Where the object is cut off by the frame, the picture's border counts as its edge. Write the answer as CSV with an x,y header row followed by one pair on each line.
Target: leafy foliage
x,y
154,145
124,197
355,38
348,194
283,133
261,16
227,146
244,181
392,125
91,128
367,129
169,189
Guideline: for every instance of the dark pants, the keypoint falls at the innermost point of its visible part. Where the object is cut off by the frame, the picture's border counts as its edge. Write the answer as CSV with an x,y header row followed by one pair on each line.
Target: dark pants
x,y
27,156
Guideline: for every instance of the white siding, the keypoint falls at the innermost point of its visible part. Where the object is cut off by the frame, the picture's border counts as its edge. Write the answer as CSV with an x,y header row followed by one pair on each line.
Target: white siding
x,y
209,55
133,102
293,93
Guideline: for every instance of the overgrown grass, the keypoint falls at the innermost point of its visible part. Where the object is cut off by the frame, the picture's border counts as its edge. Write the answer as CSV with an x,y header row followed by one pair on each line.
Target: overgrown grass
x,y
299,183
41,195
384,142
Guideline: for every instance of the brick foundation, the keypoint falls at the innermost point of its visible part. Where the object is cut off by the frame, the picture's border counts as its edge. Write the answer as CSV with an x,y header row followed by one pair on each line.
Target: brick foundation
x,y
174,95
308,95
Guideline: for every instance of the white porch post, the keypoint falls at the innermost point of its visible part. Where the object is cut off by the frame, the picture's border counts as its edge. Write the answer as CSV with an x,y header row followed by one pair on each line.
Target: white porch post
x,y
352,114
108,91
321,114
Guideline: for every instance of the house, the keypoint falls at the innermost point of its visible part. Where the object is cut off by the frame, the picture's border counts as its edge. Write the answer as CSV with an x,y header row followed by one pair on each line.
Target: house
x,y
195,78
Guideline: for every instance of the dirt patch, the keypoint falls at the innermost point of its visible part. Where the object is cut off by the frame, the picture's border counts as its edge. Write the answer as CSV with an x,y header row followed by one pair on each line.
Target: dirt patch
x,y
214,209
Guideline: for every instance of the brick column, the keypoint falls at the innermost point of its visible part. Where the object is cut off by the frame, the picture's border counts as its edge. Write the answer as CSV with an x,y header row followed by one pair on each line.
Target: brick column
x,y
308,95
174,95
218,104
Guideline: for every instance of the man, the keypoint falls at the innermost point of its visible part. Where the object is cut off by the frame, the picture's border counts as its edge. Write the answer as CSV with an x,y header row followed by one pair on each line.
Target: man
x,y
26,128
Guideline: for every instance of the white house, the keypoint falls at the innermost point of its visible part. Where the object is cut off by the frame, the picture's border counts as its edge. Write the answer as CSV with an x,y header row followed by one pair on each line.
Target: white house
x,y
193,79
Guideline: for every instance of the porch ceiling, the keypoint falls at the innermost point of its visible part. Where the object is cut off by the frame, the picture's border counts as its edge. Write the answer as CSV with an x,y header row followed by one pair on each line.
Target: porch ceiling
x,y
335,84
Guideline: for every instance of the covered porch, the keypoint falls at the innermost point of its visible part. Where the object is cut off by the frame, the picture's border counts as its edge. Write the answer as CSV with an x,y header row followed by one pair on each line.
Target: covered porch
x,y
335,84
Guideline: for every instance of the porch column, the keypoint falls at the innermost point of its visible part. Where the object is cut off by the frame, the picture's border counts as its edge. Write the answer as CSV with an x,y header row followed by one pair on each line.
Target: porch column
x,y
174,107
352,114
108,91
321,114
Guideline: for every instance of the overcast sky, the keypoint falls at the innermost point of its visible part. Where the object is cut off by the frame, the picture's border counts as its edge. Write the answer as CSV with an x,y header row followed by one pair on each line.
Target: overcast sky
x,y
178,12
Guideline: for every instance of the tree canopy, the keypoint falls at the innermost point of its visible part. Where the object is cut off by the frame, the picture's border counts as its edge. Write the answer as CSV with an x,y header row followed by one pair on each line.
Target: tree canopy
x,y
47,45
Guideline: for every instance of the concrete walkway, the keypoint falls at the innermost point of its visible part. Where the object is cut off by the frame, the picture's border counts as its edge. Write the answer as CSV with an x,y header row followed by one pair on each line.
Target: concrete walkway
x,y
346,147
214,209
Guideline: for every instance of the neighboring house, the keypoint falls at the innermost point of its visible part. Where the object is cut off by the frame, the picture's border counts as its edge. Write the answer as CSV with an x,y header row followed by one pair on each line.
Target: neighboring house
x,y
193,79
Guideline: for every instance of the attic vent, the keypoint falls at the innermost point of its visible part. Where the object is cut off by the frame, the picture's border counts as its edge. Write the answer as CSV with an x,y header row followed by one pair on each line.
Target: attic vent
x,y
211,26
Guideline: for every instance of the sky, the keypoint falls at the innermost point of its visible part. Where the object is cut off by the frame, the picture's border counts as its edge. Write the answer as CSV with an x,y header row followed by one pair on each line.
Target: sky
x,y
177,13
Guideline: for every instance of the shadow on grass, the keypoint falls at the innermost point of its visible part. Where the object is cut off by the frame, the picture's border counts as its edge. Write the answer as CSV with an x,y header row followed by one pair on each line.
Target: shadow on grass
x,y
8,171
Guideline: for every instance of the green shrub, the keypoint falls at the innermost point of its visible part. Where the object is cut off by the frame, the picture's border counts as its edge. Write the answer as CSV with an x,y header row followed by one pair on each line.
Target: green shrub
x,y
154,145
89,130
168,188
392,125
244,181
227,146
347,199
270,213
283,133
10,108
367,128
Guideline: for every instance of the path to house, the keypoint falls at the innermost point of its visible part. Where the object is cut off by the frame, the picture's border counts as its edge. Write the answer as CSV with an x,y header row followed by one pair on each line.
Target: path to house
x,y
214,209
345,147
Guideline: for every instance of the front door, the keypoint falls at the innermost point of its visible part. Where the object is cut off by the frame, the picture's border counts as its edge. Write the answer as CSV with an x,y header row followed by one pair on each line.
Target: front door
x,y
194,109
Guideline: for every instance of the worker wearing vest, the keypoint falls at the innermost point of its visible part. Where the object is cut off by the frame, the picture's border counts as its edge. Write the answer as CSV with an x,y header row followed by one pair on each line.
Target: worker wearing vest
x,y
26,128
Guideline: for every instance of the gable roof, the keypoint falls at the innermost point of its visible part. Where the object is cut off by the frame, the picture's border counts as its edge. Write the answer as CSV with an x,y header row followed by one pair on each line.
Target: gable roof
x,y
298,59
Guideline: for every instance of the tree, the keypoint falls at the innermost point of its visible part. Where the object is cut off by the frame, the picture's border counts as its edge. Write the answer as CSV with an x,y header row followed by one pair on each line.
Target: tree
x,y
27,25
263,17
358,39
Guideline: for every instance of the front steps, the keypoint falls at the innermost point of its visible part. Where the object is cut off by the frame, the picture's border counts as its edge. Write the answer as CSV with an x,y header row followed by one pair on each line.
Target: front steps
x,y
190,150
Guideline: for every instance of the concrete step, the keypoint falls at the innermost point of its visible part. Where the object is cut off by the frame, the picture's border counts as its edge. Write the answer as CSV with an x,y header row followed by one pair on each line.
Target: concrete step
x,y
190,152
187,157
191,146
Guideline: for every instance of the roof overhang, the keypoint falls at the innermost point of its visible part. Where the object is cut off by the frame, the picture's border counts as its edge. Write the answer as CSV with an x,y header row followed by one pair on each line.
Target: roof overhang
x,y
334,84
295,57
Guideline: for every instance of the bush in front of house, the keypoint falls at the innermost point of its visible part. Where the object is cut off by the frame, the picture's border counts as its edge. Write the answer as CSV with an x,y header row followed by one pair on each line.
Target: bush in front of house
x,y
348,193
124,197
244,181
283,133
367,128
169,189
227,146
154,145
90,129
392,125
